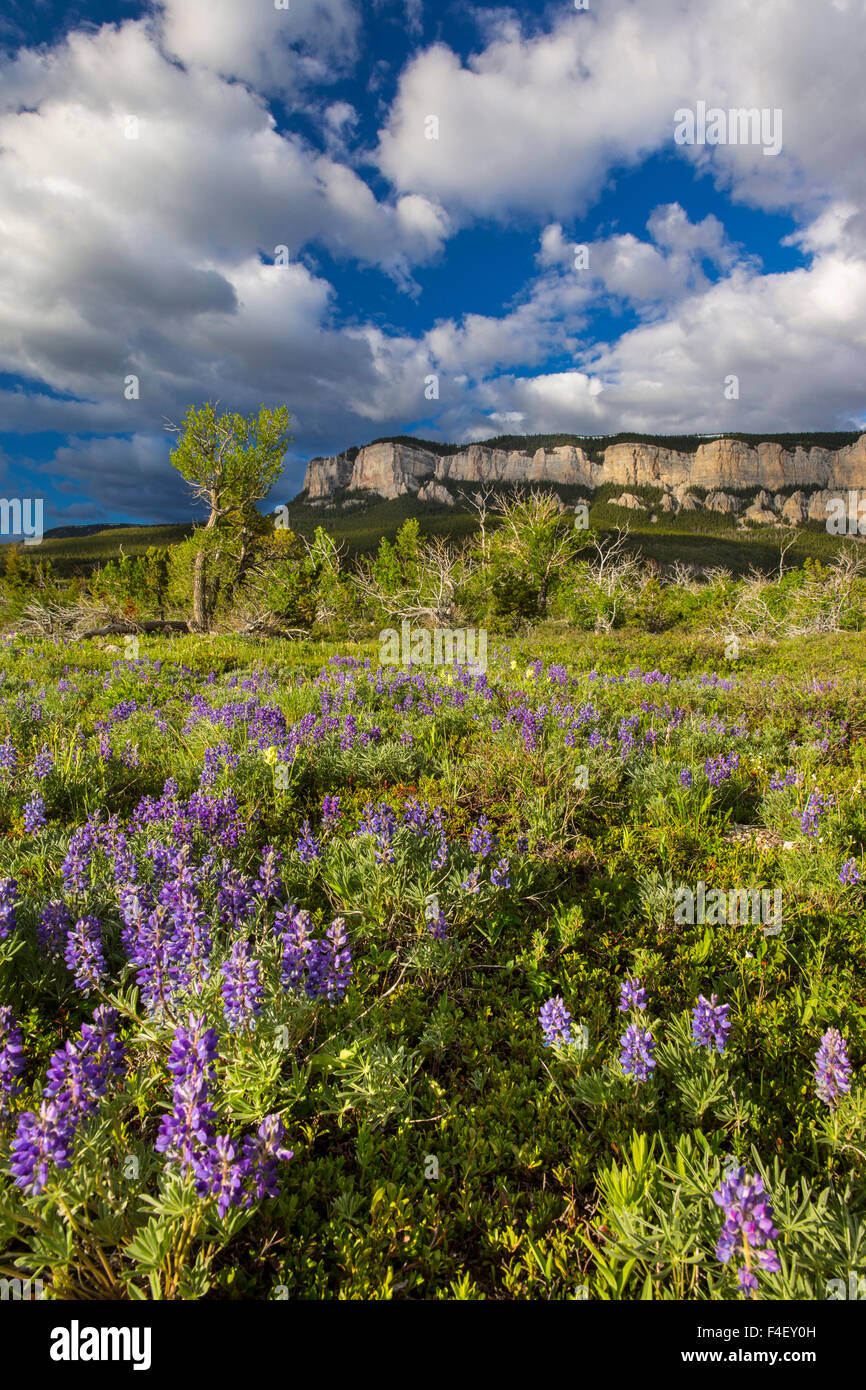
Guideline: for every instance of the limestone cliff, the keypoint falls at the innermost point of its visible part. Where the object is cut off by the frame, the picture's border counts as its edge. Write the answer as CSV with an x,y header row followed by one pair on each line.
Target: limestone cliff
x,y
392,469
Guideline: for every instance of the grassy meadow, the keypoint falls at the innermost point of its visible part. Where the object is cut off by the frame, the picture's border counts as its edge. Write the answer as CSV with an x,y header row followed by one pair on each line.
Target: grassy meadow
x,y
321,979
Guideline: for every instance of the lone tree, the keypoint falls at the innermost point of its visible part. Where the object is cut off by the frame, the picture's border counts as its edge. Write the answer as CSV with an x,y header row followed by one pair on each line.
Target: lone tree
x,y
535,540
231,462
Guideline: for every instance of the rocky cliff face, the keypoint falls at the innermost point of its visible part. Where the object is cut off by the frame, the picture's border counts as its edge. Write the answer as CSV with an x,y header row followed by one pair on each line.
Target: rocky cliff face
x,y
729,463
393,469
480,464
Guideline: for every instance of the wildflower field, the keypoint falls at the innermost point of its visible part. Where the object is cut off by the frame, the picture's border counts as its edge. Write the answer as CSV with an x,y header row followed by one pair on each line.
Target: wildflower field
x,y
324,980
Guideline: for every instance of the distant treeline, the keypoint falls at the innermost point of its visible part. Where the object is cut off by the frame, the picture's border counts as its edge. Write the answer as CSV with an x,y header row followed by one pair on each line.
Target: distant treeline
x,y
595,445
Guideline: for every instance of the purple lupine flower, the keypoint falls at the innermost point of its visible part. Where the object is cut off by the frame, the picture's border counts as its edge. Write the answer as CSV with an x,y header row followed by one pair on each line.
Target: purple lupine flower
x,y
522,844
350,732
638,1046
292,927
340,953
416,815
79,1072
104,1052
721,768
473,883
632,995
267,883
832,1068
76,866
777,783
34,815
129,757
69,1082
850,872
381,823
158,957
626,735
685,777
8,757
308,846
481,842
748,1226
77,1078
8,901
500,874
219,1174
555,1022
330,811
262,1153
188,1127
135,901
438,926
241,990
216,760
440,858
323,966
234,896
43,764
42,1140
330,964
190,929
84,955
215,817
125,866
53,926
812,811
710,1025
125,710
12,1060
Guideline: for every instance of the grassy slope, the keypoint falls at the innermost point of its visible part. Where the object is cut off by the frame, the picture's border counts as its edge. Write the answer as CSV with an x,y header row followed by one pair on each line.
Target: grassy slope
x,y
81,553
701,538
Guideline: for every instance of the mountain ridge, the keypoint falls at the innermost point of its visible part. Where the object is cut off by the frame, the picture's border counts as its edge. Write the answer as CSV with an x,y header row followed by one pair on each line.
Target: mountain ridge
x,y
391,467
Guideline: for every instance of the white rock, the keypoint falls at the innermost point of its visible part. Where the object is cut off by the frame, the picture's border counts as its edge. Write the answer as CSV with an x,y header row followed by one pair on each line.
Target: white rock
x,y
435,492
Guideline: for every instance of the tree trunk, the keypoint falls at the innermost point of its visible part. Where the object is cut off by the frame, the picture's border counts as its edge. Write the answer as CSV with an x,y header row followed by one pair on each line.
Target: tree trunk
x,y
200,615
199,593
165,625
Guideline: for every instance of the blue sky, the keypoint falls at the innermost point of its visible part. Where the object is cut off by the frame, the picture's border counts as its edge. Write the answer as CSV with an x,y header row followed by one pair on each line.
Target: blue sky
x,y
154,156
